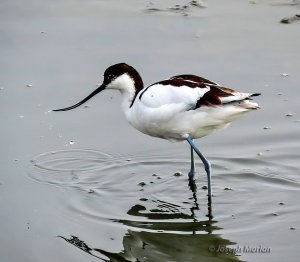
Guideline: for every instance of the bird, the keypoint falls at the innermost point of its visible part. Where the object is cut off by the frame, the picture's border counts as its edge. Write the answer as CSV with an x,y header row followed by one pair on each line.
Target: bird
x,y
180,108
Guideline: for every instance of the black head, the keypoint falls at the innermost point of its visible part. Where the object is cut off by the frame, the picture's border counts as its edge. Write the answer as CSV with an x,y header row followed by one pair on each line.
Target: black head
x,y
114,71
112,80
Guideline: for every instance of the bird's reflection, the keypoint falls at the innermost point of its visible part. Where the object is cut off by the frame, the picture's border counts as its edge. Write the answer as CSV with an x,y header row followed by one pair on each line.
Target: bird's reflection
x,y
193,188
167,232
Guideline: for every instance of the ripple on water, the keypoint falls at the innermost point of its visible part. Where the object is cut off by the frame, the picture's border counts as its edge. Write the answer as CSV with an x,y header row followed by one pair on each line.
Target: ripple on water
x,y
62,167
143,192
69,167
130,190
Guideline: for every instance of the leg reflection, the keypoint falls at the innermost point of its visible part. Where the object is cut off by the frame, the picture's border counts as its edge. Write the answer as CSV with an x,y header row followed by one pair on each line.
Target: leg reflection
x,y
193,188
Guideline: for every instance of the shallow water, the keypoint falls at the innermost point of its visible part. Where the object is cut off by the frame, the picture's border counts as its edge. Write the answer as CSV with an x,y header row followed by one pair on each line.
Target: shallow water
x,y
84,185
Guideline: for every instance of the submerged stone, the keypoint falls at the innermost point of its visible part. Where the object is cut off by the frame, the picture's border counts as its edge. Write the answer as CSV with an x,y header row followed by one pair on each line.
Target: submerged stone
x,y
259,153
178,174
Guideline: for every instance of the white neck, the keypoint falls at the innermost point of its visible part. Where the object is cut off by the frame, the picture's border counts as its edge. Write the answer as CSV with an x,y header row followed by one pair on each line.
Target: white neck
x,y
127,98
125,84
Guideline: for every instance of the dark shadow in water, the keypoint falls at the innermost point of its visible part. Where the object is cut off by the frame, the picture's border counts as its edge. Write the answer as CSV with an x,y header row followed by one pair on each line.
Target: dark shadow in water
x,y
164,246
158,238
156,247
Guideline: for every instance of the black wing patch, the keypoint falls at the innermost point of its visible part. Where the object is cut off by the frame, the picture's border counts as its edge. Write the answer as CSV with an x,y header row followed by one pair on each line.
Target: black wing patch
x,y
194,78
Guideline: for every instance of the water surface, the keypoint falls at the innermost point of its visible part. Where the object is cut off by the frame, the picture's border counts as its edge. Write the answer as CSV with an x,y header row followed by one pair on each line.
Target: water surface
x,y
85,186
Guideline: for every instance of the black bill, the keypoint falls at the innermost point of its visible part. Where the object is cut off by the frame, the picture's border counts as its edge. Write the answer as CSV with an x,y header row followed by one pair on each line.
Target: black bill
x,y
99,89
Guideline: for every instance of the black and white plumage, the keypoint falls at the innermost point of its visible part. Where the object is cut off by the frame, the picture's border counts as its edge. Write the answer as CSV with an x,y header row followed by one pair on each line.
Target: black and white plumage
x,y
183,107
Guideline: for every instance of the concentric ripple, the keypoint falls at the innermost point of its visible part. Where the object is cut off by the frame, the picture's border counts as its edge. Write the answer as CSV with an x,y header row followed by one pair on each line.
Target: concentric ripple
x,y
71,160
153,193
67,167
129,190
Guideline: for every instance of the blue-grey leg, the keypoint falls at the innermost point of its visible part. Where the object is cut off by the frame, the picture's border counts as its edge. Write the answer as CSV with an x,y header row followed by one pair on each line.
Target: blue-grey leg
x,y
205,162
192,171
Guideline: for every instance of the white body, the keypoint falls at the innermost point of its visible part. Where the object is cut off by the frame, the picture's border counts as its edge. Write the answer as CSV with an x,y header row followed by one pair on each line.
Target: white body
x,y
166,111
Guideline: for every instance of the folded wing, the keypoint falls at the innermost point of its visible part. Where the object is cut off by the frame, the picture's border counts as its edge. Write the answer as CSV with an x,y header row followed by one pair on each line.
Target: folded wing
x,y
190,92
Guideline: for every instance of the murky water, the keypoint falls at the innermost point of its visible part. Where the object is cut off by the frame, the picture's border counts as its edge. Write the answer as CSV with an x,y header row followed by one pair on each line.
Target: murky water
x,y
85,186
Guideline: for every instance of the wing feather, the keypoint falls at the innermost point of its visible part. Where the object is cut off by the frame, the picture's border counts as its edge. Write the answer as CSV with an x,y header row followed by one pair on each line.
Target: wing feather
x,y
173,91
190,92
193,78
